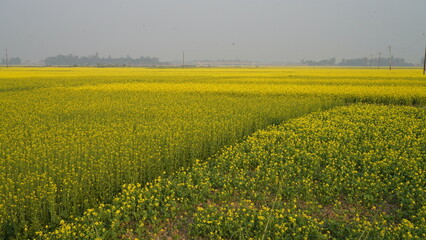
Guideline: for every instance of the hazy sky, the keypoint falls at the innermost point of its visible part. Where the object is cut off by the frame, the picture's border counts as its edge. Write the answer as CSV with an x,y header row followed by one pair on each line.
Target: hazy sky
x,y
267,30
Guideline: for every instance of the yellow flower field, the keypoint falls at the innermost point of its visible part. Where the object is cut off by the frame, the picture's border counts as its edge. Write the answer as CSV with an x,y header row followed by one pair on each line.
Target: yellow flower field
x,y
315,177
71,137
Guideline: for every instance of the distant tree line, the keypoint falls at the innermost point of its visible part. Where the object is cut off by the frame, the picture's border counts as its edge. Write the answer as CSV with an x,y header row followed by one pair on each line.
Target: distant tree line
x,y
221,60
11,61
324,62
95,60
365,62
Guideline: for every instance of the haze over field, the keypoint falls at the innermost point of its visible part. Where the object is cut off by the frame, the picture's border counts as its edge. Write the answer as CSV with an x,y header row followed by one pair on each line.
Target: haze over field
x,y
267,31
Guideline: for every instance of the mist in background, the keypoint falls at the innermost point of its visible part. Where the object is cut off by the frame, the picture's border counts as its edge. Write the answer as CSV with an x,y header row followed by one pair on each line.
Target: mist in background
x,y
253,30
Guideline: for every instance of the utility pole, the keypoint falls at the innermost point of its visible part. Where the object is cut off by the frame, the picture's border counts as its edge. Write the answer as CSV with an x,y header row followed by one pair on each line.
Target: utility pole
x,y
390,57
183,60
424,60
7,62
371,61
424,63
378,65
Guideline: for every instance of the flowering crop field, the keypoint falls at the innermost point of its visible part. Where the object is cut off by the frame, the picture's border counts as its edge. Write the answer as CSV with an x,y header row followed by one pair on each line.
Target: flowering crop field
x,y
70,138
315,177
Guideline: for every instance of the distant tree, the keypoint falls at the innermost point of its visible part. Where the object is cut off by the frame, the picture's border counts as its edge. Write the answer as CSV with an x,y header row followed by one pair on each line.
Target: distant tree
x,y
354,62
400,62
11,61
15,61
373,62
62,60
324,62
95,60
